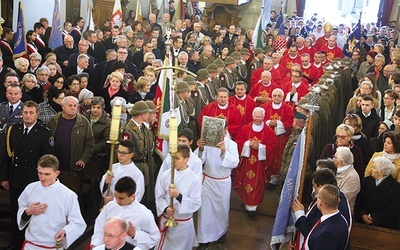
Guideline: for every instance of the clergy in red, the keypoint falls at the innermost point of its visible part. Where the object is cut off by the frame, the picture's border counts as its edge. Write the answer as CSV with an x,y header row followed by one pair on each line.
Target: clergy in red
x,y
332,50
288,60
243,102
257,146
310,72
223,109
261,91
322,41
267,66
294,90
279,117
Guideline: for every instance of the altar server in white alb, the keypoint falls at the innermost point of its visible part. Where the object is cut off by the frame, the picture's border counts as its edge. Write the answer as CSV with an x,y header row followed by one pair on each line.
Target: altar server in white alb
x,y
142,229
185,137
49,210
124,167
187,200
214,212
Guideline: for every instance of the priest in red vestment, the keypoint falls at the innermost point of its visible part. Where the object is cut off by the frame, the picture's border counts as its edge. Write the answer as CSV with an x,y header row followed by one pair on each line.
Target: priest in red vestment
x,y
261,91
279,117
292,57
243,102
257,143
294,90
310,72
331,49
223,109
268,65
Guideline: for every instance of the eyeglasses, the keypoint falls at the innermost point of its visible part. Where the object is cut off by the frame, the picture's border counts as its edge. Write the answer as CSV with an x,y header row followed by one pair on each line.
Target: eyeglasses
x,y
341,136
122,153
111,236
388,98
122,53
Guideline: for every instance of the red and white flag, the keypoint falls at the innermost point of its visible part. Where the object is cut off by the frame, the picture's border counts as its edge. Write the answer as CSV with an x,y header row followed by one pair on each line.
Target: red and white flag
x,y
116,17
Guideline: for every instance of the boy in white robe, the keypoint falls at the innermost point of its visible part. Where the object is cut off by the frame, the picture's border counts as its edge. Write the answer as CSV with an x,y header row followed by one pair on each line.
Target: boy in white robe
x,y
214,212
124,167
142,229
185,137
49,210
187,200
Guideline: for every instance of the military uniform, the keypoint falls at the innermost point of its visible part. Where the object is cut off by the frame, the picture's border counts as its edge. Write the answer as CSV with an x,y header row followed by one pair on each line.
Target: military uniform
x,y
205,61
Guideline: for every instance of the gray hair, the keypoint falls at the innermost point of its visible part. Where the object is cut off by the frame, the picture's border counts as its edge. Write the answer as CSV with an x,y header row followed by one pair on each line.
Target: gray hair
x,y
384,165
43,68
344,154
35,55
18,62
81,56
259,109
64,100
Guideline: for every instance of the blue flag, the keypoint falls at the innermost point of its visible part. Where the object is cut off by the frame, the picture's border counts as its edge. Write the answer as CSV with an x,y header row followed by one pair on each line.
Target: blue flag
x,y
357,31
20,39
279,21
55,39
284,223
266,14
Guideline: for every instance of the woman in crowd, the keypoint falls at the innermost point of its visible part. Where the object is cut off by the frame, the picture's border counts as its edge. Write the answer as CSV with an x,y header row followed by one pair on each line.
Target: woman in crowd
x,y
224,52
128,83
376,143
52,105
128,32
59,81
114,89
22,65
364,89
359,138
74,83
30,42
143,91
391,150
344,136
378,201
137,27
32,88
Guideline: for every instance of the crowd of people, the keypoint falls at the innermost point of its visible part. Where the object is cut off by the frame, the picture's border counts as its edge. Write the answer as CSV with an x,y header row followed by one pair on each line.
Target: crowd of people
x,y
56,108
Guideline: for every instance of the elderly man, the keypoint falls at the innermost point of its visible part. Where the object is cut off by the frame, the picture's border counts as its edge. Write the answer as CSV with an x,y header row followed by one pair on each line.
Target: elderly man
x,y
257,145
49,210
65,51
266,66
261,92
206,57
279,117
81,66
74,141
347,177
83,47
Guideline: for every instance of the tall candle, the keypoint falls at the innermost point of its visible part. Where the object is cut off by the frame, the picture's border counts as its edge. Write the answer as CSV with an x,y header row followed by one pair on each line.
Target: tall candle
x,y
173,134
115,120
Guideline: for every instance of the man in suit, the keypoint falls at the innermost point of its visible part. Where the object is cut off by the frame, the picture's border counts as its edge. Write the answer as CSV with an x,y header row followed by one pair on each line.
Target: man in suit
x,y
331,230
111,42
114,236
64,52
96,49
26,143
83,47
82,66
230,35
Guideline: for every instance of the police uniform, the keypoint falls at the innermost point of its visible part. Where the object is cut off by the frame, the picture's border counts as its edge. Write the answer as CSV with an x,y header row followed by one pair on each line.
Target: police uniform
x,y
20,163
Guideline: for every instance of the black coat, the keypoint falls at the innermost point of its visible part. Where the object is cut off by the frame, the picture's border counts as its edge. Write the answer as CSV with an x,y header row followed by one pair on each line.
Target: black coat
x,y
27,150
370,124
99,52
382,202
107,98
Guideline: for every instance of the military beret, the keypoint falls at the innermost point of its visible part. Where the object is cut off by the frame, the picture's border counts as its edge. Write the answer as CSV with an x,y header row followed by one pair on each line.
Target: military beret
x,y
189,79
212,68
140,107
182,87
229,60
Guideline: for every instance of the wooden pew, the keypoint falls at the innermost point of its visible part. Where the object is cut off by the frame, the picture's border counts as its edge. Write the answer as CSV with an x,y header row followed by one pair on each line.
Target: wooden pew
x,y
372,237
